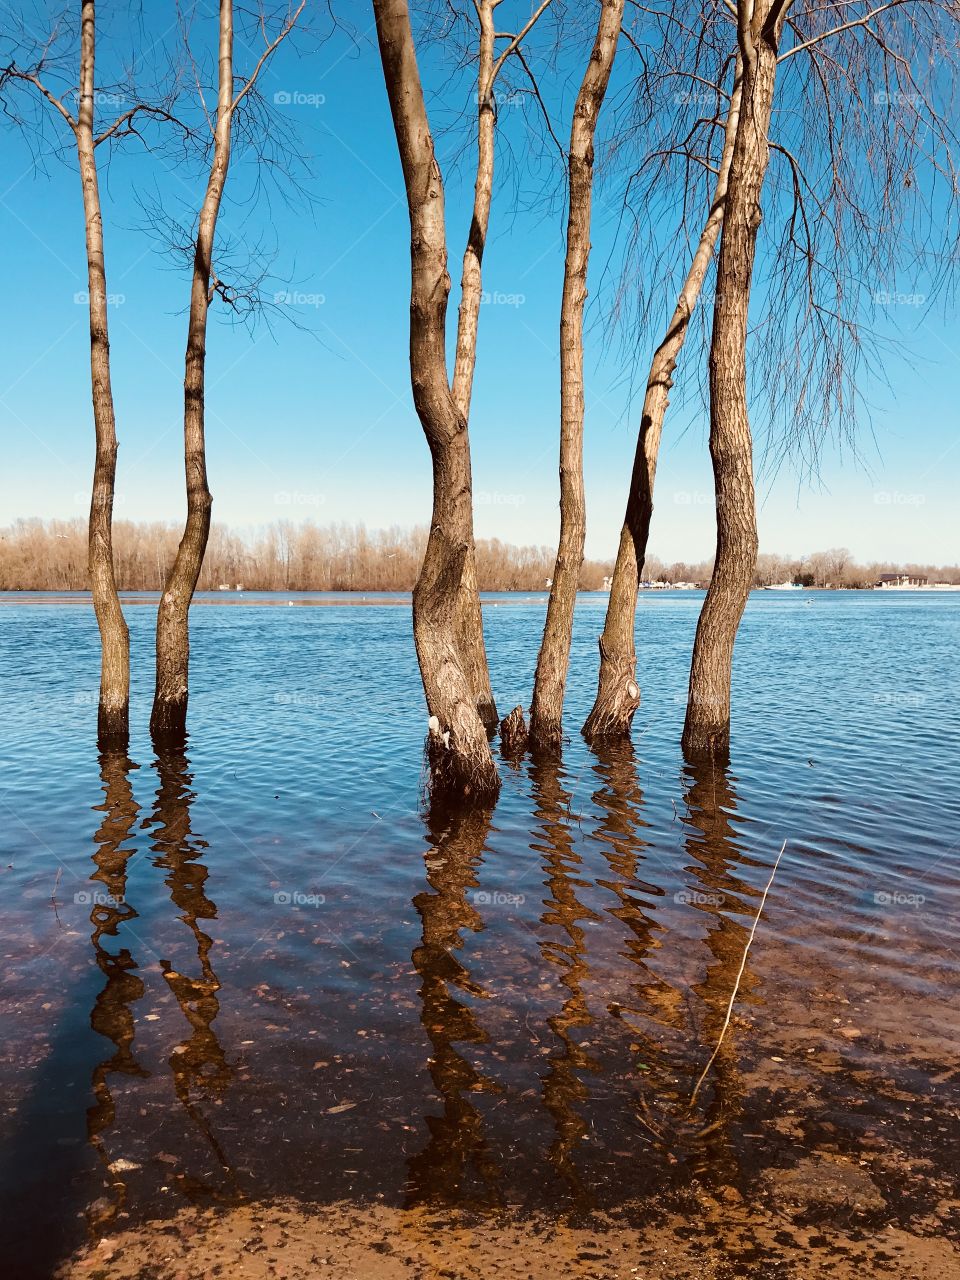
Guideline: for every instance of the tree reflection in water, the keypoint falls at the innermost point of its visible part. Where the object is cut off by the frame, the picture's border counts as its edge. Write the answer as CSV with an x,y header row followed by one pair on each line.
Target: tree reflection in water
x,y
456,1162
112,1013
712,840
199,1065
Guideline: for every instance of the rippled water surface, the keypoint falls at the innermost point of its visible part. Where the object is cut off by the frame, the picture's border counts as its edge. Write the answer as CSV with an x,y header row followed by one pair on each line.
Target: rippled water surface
x,y
262,968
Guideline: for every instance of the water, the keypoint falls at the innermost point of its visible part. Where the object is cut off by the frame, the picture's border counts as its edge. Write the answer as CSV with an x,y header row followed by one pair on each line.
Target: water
x,y
261,969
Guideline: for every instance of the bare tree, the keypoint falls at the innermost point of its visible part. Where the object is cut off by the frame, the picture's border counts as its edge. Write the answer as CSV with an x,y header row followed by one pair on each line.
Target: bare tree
x,y
458,750
830,235
618,694
113,711
489,66
554,658
169,715
862,137
707,726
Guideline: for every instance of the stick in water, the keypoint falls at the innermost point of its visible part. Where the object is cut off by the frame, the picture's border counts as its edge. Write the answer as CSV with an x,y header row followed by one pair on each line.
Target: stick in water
x,y
736,985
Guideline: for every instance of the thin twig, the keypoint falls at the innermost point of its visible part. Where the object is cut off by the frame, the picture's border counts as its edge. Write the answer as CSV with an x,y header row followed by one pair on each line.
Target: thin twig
x,y
736,985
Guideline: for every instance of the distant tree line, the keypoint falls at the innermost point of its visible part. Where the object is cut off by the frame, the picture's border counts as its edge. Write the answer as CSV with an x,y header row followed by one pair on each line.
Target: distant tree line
x,y
38,555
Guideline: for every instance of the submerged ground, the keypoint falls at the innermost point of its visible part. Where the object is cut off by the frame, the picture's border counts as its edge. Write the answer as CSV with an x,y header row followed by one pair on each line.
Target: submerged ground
x,y
261,1010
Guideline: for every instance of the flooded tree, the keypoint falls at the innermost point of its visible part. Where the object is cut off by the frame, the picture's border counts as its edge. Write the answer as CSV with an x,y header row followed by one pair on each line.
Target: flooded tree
x,y
707,725
48,68
554,658
489,65
458,749
618,694
839,232
169,715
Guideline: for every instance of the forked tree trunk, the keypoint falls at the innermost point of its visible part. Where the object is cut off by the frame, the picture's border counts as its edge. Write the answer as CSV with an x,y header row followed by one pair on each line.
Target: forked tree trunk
x,y
706,731
169,717
458,749
469,615
554,658
113,712
618,694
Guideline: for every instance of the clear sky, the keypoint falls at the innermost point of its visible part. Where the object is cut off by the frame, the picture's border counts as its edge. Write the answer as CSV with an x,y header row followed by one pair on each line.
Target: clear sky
x,y
317,421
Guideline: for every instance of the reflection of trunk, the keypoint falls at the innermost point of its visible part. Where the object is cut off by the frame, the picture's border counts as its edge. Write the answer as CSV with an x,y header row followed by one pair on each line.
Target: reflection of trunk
x,y
199,1064
112,1015
712,842
469,615
706,731
456,1163
563,1085
169,716
554,659
112,719
618,694
459,752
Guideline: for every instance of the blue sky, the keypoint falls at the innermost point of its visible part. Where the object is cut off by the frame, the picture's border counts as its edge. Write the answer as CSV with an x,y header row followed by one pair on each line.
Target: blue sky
x,y
317,421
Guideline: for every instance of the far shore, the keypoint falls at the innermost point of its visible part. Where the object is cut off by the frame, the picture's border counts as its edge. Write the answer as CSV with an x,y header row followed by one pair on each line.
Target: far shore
x,y
348,599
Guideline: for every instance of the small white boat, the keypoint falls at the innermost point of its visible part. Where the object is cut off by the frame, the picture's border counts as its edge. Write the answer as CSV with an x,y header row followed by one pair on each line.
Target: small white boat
x,y
784,586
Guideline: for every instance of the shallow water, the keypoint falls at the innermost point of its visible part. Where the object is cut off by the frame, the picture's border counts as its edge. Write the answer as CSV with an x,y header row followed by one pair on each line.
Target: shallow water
x,y
262,969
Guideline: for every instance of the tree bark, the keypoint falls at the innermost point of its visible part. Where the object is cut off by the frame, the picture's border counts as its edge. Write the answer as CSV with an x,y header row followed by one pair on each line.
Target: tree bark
x,y
169,716
469,614
554,658
113,711
457,746
706,731
618,694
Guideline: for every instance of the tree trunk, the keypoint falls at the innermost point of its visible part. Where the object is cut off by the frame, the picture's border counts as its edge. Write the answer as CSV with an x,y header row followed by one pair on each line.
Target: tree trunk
x,y
169,717
457,746
113,712
554,658
469,614
706,731
618,695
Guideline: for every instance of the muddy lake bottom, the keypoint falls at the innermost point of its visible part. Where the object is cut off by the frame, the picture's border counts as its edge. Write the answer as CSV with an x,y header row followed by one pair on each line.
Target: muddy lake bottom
x,y
264,1014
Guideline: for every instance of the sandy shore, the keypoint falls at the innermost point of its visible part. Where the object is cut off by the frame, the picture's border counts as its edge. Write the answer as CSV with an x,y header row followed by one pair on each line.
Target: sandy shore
x,y
716,1240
